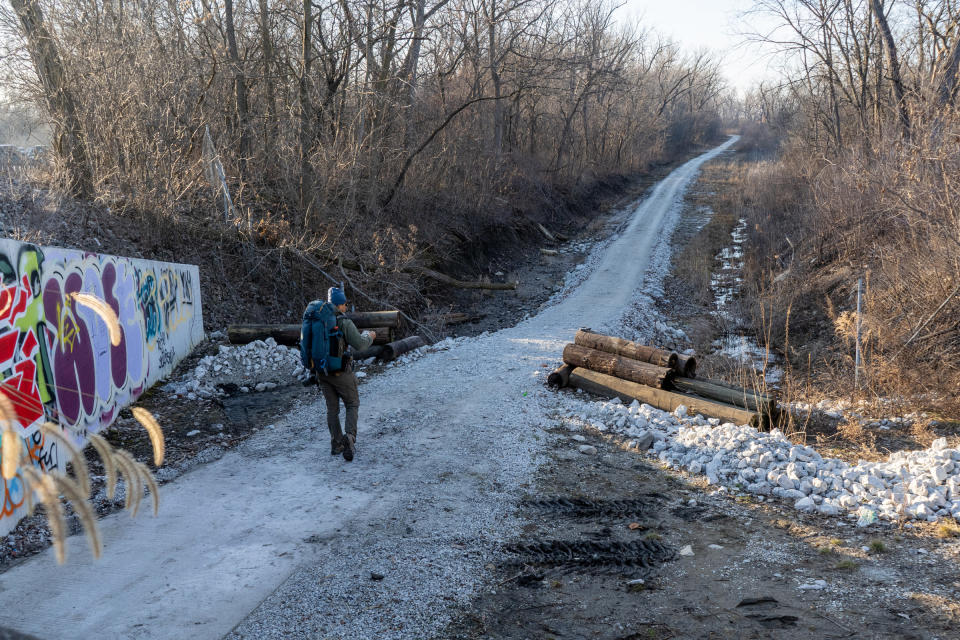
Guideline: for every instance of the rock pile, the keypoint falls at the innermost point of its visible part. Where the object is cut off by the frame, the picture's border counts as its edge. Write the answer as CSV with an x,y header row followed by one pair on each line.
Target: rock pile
x,y
258,366
922,485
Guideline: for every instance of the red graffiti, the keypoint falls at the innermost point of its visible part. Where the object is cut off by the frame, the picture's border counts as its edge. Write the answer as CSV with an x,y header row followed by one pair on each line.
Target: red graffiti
x,y
18,350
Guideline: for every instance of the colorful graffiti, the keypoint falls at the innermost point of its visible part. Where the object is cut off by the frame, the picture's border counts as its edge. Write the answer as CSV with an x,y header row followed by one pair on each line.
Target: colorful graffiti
x,y
56,359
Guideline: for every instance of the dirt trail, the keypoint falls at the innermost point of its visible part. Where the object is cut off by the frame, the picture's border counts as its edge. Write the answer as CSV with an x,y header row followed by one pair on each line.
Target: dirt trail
x,y
278,539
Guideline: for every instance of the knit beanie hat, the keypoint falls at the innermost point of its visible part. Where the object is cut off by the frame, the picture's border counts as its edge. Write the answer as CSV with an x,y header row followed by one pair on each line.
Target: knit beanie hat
x,y
336,297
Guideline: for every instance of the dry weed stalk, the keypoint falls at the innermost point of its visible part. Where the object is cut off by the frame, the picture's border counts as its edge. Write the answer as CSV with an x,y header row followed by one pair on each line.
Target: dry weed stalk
x,y
922,432
11,452
146,419
105,451
852,431
152,485
128,466
11,440
75,494
76,456
50,486
46,488
106,313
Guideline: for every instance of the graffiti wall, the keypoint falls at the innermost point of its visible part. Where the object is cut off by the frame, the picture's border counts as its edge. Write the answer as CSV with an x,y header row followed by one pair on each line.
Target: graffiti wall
x,y
56,360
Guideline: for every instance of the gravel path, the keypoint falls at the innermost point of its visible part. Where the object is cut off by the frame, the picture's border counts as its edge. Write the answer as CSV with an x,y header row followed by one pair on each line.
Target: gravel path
x,y
279,540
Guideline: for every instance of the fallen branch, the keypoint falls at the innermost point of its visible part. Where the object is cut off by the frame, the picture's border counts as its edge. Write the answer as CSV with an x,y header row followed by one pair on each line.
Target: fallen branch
x,y
546,234
460,284
453,318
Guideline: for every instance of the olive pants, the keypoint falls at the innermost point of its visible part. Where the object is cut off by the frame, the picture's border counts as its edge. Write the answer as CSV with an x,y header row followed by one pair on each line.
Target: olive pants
x,y
342,386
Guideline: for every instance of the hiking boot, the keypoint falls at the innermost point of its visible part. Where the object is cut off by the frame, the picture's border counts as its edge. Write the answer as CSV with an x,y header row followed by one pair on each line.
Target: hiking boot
x,y
348,448
336,448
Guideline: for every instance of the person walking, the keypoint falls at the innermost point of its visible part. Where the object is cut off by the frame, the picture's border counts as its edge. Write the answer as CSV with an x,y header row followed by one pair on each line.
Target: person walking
x,y
324,333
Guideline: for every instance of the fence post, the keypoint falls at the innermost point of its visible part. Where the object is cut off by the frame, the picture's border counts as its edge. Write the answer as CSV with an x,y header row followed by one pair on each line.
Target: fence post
x,y
856,372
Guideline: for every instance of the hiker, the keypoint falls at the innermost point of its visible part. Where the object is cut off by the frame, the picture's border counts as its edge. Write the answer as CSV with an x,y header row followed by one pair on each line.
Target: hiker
x,y
323,336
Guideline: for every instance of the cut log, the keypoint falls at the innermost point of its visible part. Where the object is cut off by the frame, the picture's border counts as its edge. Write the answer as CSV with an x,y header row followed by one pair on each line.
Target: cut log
x,y
609,387
286,334
560,377
625,348
766,397
614,365
369,352
686,366
739,397
374,319
400,347
384,334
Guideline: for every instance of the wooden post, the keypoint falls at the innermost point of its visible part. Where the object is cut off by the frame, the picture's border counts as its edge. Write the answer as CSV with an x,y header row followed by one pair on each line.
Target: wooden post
x,y
764,397
609,387
370,352
400,347
373,319
625,348
286,334
611,364
560,377
686,366
738,397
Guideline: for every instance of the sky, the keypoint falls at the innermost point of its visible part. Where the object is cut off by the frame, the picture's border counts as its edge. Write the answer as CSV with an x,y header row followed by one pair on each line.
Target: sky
x,y
708,24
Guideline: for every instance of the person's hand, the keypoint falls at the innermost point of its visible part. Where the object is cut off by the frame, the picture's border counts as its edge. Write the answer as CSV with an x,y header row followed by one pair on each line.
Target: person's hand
x,y
372,334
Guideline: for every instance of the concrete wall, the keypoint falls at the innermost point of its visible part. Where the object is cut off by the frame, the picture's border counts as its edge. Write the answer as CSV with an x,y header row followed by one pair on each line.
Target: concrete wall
x,y
56,360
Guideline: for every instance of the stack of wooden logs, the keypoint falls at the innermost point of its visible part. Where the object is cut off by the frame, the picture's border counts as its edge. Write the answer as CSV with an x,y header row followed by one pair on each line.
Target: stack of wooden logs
x,y
617,368
383,323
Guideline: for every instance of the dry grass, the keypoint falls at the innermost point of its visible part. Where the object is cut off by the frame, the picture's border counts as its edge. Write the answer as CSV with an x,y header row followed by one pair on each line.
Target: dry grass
x,y
947,528
853,432
815,228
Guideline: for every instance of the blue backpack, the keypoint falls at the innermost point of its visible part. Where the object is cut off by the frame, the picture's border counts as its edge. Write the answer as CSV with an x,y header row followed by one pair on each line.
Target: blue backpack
x,y
322,343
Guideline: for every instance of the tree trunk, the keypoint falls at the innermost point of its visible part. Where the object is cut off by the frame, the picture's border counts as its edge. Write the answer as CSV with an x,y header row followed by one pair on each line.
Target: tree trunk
x,y
306,113
240,90
948,82
497,88
410,65
69,139
891,48
267,45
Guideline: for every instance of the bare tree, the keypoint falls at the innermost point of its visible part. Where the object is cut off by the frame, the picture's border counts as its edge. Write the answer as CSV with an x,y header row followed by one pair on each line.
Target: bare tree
x,y
69,139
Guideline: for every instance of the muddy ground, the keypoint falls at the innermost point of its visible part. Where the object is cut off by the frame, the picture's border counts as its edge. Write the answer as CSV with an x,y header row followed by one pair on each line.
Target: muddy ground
x,y
753,572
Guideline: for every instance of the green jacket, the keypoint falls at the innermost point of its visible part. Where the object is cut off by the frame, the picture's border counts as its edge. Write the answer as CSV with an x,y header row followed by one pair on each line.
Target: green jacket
x,y
354,338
